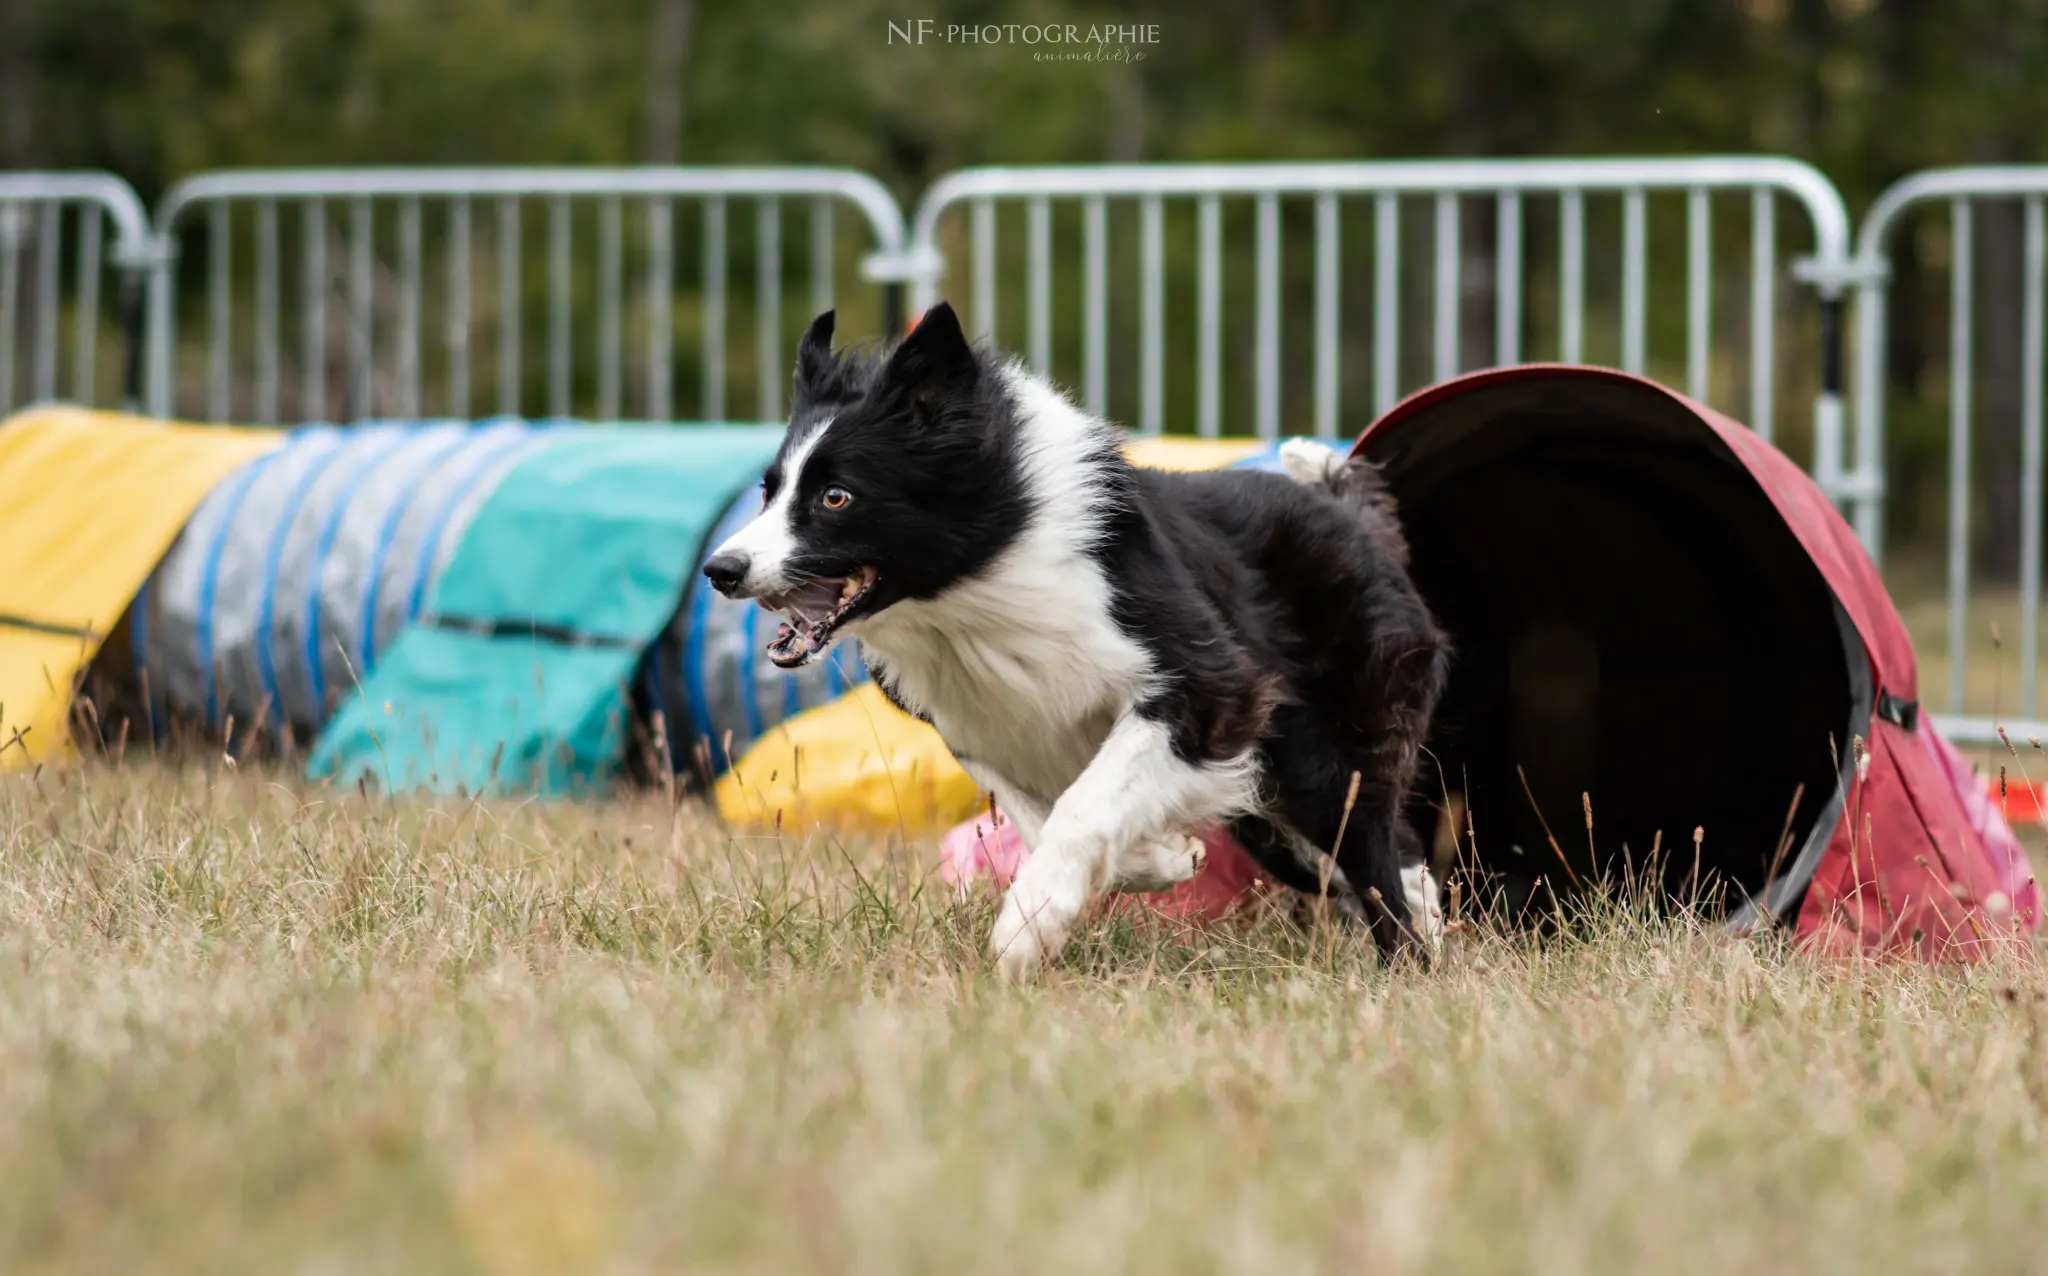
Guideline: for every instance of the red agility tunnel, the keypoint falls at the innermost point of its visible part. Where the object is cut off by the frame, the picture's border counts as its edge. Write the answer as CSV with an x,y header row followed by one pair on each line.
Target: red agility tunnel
x,y
1658,616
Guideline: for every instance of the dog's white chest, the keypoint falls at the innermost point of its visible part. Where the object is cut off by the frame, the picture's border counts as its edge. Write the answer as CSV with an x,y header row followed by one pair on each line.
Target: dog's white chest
x,y
1028,686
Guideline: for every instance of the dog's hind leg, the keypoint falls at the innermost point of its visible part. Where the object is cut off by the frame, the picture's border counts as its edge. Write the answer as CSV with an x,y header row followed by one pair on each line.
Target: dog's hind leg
x,y
1371,880
1136,790
1354,844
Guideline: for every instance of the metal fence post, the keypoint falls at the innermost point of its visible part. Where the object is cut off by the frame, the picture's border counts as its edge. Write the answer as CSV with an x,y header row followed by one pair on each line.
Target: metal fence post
x,y
97,198
1958,188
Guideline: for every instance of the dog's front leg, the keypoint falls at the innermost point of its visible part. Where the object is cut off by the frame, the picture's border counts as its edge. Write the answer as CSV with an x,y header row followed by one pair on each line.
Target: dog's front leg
x,y
1142,868
1135,791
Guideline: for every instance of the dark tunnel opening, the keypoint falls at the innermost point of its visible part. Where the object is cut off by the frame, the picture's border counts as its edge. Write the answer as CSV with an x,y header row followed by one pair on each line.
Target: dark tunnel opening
x,y
1637,630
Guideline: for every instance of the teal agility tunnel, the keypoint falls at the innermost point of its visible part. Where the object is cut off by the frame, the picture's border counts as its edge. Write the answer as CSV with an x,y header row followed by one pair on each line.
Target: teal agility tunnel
x,y
516,672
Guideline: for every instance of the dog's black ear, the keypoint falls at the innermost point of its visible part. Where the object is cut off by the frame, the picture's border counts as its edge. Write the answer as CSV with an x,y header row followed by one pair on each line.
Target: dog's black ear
x,y
814,362
934,363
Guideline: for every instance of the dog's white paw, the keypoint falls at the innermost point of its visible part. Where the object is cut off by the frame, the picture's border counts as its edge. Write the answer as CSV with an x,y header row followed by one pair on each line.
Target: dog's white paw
x,y
1038,914
1160,865
1310,463
1425,910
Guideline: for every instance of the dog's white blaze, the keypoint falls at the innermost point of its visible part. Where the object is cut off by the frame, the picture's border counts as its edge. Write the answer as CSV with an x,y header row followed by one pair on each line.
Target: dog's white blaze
x,y
1135,790
769,539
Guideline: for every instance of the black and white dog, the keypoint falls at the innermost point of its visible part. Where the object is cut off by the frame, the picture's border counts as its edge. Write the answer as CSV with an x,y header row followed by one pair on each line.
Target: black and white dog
x,y
1119,655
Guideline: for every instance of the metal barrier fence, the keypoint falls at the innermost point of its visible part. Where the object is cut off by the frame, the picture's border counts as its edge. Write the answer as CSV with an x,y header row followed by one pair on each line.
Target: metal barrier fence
x,y
1506,262
35,210
1448,184
393,386
1961,189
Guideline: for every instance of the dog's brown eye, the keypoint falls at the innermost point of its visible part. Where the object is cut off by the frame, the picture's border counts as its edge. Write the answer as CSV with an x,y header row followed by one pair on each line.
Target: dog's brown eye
x,y
835,498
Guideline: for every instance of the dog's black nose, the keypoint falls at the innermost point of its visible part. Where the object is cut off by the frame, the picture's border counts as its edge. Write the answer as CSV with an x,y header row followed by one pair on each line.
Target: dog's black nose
x,y
725,571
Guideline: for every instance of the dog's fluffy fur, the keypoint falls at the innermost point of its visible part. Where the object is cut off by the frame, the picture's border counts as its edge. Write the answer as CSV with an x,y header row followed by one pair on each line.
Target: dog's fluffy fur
x,y
1119,655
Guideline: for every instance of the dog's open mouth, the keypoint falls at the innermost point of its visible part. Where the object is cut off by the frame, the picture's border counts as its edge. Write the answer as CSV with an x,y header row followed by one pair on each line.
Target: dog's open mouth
x,y
811,613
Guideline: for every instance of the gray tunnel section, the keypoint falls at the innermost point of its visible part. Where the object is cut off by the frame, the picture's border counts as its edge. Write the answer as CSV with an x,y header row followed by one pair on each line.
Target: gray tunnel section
x,y
300,568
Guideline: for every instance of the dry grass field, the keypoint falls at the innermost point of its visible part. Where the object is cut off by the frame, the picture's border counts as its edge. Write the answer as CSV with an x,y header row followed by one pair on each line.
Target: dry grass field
x,y
250,1026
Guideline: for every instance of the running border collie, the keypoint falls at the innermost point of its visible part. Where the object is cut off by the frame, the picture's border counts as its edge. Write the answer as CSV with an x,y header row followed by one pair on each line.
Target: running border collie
x,y
1119,655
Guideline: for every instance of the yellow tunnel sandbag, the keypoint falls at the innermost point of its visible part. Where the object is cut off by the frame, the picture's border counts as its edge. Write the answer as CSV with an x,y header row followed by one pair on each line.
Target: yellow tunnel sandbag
x,y
1171,452
89,504
856,764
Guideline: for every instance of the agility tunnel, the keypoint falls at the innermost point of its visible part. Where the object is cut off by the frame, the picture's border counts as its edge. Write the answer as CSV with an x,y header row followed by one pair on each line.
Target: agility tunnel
x,y
301,569
453,606
1669,646
89,502
458,608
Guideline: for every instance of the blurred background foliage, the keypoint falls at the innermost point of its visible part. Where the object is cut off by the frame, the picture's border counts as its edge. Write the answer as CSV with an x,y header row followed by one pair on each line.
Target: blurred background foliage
x,y
1867,90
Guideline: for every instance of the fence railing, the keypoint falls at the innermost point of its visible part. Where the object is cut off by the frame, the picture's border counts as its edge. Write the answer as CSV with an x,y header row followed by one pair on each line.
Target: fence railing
x,y
413,292
1500,187
37,212
381,305
1962,190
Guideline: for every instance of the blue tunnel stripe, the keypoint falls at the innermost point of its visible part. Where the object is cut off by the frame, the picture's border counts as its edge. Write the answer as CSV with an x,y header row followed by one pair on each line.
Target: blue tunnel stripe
x,y
351,484
209,580
835,674
654,693
703,604
750,700
138,650
273,561
381,549
693,665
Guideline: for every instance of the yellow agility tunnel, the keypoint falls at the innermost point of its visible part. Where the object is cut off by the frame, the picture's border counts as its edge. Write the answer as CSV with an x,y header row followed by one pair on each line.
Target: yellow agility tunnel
x,y
89,503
